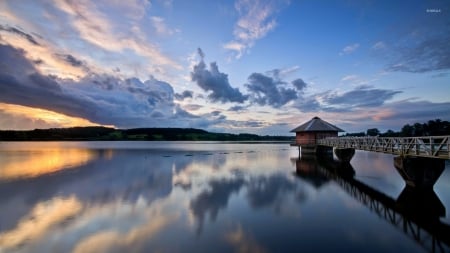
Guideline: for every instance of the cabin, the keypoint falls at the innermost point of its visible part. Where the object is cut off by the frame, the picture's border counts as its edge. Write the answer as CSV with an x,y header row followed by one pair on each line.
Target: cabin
x,y
308,133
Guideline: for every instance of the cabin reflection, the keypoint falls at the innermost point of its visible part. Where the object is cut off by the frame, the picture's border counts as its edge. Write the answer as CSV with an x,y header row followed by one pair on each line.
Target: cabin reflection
x,y
416,211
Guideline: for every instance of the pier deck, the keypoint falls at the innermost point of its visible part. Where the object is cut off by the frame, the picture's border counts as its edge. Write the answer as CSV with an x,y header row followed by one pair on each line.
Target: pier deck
x,y
427,146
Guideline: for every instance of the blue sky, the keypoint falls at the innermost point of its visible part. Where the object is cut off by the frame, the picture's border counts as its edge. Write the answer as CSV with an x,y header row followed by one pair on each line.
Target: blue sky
x,y
232,66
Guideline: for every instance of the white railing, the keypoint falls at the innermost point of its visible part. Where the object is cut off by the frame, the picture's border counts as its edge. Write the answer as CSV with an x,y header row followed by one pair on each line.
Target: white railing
x,y
427,146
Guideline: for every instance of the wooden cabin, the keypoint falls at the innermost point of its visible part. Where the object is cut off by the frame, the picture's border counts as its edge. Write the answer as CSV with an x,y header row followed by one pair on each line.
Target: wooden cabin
x,y
313,130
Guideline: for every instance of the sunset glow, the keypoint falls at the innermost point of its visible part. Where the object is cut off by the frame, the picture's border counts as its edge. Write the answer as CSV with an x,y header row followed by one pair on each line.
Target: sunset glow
x,y
40,117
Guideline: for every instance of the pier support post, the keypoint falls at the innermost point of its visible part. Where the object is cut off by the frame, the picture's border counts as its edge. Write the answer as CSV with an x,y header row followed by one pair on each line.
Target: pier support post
x,y
344,154
419,172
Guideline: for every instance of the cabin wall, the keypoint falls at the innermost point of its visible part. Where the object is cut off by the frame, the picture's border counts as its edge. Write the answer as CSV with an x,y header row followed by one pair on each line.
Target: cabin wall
x,y
304,138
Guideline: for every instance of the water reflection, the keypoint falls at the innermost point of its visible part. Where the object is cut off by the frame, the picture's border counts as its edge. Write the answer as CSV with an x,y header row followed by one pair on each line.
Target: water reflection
x,y
28,164
42,217
416,211
231,198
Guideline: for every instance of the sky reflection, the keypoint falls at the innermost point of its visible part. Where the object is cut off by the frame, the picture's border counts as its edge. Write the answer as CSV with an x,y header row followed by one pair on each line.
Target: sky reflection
x,y
28,164
233,198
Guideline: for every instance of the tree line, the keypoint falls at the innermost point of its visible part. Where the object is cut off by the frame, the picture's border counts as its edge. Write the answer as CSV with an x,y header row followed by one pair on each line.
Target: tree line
x,y
435,127
136,134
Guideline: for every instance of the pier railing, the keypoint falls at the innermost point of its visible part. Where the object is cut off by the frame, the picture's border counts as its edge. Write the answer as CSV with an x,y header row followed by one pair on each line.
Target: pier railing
x,y
427,146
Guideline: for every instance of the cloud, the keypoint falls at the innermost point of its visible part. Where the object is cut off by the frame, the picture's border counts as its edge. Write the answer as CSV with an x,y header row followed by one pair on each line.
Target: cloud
x,y
379,45
350,78
415,111
46,57
392,115
99,98
237,108
299,84
72,60
266,90
333,101
213,80
349,49
421,45
102,31
256,20
27,36
161,27
185,94
192,107
430,53
360,97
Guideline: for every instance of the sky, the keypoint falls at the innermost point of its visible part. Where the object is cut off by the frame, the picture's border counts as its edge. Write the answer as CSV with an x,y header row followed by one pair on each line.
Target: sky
x,y
252,66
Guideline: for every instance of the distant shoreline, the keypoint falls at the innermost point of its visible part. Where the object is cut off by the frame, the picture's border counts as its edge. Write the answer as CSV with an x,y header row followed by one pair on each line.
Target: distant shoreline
x,y
135,134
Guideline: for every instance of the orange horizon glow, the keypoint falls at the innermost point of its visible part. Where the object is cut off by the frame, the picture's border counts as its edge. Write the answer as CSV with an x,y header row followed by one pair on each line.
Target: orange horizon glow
x,y
48,117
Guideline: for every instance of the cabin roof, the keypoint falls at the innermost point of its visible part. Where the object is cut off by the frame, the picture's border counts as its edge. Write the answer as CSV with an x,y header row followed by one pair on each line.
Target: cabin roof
x,y
316,124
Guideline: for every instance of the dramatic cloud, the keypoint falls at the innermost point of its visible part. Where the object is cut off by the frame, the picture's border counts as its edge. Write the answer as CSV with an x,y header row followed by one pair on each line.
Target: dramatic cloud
x,y
99,98
213,80
349,49
256,19
266,90
185,94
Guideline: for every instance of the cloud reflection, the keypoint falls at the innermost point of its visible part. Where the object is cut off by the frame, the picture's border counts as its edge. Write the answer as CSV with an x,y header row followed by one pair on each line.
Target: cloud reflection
x,y
130,241
43,217
243,242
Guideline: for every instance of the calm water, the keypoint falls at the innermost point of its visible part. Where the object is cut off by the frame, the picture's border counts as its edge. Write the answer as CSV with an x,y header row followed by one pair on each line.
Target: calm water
x,y
209,197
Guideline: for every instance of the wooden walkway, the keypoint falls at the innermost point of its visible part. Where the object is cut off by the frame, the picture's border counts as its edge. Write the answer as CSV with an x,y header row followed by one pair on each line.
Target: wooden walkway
x,y
429,146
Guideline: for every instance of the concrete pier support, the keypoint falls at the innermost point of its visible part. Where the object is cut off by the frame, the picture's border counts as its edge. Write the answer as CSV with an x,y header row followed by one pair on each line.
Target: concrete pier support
x,y
344,154
420,203
315,150
324,151
419,172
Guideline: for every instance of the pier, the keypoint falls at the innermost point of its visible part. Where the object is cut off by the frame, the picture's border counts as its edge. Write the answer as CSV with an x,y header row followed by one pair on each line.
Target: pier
x,y
419,160
426,146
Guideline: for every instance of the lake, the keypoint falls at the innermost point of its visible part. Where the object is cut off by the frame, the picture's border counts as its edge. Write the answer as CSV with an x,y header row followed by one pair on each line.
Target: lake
x,y
210,197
